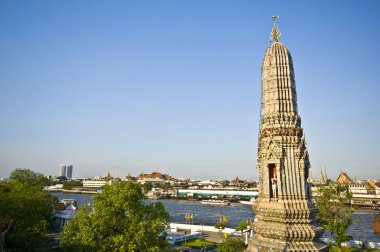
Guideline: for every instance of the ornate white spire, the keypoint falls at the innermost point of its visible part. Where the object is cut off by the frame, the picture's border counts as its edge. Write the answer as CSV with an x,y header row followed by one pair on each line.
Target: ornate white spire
x,y
286,216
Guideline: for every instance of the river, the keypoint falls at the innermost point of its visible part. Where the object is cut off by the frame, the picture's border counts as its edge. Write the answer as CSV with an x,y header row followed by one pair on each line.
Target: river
x,y
236,212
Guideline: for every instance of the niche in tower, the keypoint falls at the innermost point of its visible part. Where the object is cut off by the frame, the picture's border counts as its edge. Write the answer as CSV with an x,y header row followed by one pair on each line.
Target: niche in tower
x,y
272,170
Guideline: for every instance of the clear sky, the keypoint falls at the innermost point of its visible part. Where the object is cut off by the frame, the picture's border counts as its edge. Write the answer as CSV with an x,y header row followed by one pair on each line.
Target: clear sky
x,y
174,86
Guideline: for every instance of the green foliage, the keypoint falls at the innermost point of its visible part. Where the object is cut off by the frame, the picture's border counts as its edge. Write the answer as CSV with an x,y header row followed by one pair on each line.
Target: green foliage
x,y
184,185
197,243
169,250
335,211
221,225
28,177
147,187
336,249
167,185
71,183
232,245
61,179
120,221
243,225
23,201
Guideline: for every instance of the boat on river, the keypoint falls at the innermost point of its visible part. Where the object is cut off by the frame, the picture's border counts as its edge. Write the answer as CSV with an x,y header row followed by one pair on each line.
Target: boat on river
x,y
215,202
68,202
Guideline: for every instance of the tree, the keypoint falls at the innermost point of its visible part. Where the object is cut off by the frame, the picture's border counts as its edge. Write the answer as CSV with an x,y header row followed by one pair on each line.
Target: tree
x,y
119,221
2,235
25,212
184,185
28,177
68,185
61,179
167,185
147,187
336,211
232,245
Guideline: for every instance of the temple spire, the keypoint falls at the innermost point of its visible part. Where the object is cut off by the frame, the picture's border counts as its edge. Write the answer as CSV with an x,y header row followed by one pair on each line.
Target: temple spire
x,y
285,213
275,34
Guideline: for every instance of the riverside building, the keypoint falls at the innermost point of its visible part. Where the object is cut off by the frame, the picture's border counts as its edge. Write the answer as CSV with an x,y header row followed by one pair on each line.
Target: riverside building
x,y
96,183
286,216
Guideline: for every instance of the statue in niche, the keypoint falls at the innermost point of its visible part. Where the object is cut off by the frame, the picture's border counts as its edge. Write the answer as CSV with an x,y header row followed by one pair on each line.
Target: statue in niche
x,y
272,181
274,187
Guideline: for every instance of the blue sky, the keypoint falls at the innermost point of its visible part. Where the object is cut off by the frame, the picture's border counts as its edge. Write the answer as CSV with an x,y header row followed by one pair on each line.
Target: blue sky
x,y
174,86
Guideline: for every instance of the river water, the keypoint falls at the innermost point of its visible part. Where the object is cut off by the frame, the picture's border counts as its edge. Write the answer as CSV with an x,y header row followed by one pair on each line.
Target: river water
x,y
236,212
202,214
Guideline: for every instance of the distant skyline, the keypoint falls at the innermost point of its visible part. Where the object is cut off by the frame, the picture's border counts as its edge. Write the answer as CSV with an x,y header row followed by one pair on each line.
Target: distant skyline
x,y
174,86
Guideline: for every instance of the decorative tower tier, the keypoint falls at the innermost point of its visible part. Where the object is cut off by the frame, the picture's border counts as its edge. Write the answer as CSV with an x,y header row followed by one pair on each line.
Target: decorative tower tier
x,y
286,217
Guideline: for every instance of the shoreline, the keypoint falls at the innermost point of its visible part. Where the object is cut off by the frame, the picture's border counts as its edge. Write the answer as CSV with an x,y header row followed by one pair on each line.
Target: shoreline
x,y
192,199
72,191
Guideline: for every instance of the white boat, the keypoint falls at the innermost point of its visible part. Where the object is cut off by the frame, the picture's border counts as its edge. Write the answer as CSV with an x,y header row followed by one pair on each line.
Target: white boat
x,y
215,202
69,202
250,202
152,195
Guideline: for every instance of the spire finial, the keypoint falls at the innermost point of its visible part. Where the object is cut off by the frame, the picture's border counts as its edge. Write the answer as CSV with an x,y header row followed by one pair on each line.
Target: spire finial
x,y
275,34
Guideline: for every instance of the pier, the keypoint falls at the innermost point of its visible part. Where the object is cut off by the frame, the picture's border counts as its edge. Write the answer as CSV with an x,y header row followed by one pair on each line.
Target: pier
x,y
217,193
174,227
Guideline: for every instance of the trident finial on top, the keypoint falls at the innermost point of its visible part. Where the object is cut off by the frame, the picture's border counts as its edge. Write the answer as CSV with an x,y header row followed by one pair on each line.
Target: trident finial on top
x,y
275,34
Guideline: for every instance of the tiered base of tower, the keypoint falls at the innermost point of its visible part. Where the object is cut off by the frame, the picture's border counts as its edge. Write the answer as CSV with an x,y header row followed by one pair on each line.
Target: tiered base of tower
x,y
288,225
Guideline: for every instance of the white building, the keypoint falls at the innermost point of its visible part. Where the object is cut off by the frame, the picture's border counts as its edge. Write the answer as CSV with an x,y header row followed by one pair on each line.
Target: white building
x,y
96,183
377,184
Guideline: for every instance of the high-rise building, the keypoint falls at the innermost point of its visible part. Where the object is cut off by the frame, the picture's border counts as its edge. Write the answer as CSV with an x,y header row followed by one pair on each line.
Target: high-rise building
x,y
286,216
62,170
69,173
